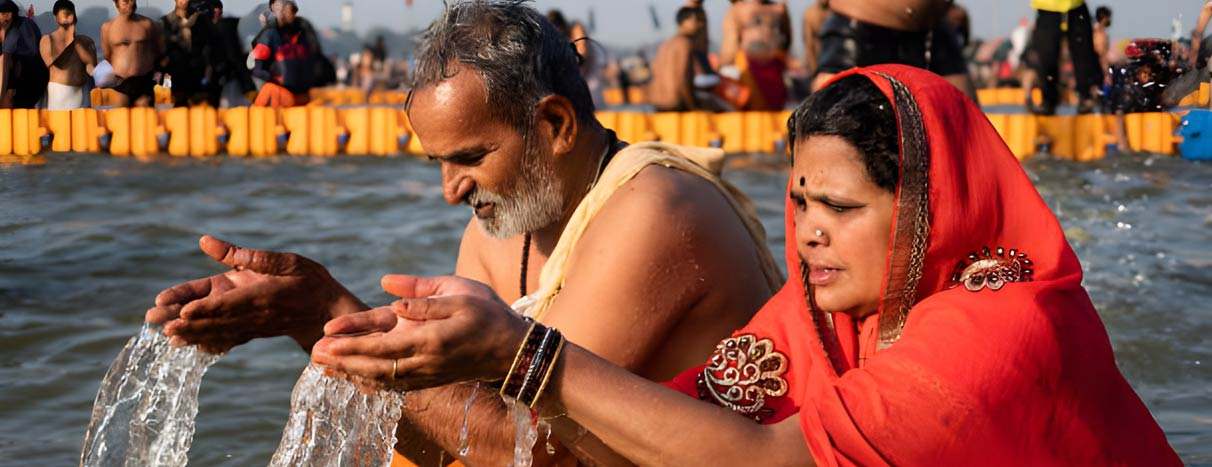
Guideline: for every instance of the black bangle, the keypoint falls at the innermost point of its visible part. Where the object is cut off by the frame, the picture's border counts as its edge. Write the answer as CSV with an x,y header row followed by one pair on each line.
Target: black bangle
x,y
533,365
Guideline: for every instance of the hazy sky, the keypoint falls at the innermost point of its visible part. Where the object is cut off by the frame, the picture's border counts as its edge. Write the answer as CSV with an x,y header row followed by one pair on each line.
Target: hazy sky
x,y
627,22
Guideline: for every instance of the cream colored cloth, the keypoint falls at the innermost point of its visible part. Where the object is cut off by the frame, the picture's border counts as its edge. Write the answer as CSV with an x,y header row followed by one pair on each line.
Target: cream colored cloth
x,y
64,97
703,162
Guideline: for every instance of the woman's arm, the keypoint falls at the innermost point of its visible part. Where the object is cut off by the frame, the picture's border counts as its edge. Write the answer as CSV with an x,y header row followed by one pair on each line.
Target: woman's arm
x,y
451,329
650,424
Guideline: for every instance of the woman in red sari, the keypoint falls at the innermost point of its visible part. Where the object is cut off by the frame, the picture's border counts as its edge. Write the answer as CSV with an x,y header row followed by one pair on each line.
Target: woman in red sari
x,y
934,313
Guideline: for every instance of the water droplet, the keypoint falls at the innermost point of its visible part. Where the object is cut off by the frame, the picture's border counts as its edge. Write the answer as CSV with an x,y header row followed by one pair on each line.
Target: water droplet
x,y
1121,208
464,444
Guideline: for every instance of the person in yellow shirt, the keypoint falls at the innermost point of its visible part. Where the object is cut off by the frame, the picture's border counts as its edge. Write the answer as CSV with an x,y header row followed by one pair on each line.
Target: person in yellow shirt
x,y
1069,20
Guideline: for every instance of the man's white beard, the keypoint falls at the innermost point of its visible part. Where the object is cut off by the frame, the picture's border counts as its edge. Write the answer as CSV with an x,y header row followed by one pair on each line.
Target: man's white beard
x,y
538,201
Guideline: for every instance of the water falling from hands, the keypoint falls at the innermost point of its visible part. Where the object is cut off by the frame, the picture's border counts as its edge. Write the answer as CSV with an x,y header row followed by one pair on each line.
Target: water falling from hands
x,y
332,423
525,433
144,411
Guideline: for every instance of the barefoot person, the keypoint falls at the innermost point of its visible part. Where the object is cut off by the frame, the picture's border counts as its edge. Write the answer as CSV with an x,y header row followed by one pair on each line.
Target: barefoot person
x,y
23,76
638,252
70,57
934,316
908,32
132,44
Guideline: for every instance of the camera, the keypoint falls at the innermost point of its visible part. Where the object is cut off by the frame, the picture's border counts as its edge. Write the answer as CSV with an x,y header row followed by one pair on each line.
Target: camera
x,y
205,7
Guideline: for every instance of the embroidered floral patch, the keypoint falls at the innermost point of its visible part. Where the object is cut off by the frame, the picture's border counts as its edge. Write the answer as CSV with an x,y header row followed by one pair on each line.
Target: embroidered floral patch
x,y
992,269
742,373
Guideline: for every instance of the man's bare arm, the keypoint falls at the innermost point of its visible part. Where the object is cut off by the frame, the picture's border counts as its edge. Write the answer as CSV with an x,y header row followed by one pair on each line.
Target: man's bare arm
x,y
106,49
44,48
685,66
731,42
599,308
87,50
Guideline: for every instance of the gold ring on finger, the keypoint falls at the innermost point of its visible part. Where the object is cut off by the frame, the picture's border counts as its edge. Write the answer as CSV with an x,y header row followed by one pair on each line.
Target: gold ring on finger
x,y
395,365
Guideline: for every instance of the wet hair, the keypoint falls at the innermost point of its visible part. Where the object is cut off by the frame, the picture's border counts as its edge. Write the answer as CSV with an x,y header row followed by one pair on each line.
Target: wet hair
x,y
520,56
854,109
687,12
8,6
63,5
1102,12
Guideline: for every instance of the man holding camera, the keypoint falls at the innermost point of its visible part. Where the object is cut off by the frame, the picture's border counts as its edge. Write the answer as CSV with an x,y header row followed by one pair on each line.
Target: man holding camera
x,y
188,40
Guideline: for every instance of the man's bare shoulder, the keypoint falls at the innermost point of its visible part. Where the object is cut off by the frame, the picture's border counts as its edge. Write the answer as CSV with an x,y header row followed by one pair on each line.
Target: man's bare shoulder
x,y
145,21
670,196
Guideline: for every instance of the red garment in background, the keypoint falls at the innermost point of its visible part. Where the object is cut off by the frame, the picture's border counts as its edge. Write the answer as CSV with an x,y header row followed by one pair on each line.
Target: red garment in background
x,y
1020,375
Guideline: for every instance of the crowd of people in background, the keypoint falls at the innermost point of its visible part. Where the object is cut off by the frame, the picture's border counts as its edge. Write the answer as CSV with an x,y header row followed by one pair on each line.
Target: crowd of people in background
x,y
195,51
1064,50
198,53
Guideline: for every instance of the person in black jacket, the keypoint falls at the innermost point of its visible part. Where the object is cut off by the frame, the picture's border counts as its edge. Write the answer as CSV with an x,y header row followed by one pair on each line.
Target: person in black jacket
x,y
189,42
23,76
286,53
232,76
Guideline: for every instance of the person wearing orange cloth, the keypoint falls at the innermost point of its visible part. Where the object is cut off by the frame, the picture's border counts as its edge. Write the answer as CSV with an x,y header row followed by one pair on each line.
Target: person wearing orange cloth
x,y
286,55
934,315
756,40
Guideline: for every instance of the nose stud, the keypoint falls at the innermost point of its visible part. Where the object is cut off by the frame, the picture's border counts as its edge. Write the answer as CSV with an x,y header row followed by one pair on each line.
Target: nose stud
x,y
819,233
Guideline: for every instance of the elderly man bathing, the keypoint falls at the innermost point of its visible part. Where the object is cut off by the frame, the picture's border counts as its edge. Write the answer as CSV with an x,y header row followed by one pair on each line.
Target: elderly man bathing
x,y
636,252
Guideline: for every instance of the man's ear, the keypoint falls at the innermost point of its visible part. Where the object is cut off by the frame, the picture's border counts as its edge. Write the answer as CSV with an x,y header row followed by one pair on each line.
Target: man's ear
x,y
557,119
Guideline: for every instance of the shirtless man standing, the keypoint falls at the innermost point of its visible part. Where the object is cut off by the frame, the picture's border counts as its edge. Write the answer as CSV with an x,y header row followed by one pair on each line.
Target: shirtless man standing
x,y
133,44
71,59
633,251
909,32
761,31
673,69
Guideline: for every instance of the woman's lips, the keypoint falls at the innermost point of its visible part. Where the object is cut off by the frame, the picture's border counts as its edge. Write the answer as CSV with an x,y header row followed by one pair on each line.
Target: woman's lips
x,y
819,275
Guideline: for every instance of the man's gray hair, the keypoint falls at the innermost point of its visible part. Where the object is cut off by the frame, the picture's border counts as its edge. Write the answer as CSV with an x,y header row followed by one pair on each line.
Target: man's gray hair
x,y
520,56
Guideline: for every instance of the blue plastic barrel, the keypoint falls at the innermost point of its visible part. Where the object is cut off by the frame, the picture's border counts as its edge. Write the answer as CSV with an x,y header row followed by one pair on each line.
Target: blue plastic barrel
x,y
1196,130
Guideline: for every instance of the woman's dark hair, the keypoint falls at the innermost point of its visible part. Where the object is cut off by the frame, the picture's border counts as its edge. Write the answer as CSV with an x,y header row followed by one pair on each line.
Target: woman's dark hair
x,y
854,109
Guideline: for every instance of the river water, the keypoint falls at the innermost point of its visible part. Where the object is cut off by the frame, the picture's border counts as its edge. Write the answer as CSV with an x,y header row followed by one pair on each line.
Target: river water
x,y
87,241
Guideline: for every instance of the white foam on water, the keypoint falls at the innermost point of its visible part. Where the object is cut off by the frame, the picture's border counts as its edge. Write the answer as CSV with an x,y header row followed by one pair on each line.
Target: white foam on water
x,y
144,411
333,423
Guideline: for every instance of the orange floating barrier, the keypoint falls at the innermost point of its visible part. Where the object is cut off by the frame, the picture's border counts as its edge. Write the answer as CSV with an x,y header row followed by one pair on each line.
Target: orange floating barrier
x,y
235,123
59,124
357,123
86,130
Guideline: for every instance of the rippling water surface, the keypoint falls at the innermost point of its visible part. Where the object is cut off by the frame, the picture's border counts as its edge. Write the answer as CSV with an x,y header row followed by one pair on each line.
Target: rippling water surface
x,y
87,241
